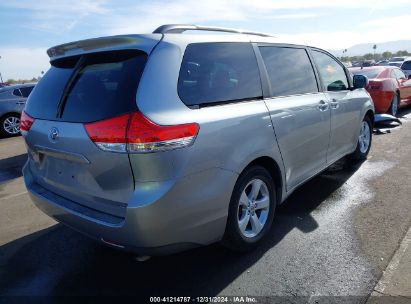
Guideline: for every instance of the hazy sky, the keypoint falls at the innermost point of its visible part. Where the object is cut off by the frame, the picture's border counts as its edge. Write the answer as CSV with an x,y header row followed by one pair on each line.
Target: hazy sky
x,y
29,27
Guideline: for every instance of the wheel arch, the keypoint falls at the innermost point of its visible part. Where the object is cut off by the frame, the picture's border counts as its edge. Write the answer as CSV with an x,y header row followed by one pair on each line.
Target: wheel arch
x,y
8,113
274,169
370,114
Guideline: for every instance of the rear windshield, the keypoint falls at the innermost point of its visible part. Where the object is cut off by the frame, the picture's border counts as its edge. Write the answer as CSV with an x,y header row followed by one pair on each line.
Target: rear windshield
x,y
369,73
218,72
406,65
88,88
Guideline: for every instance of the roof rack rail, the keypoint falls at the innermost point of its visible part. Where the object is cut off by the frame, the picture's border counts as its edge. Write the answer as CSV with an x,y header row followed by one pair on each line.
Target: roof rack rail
x,y
180,28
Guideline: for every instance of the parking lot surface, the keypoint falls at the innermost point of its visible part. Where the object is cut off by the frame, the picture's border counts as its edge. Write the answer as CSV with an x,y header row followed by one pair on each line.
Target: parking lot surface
x,y
333,237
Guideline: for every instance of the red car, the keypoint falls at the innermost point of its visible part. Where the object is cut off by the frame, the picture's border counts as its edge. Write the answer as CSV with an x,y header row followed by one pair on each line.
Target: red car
x,y
388,86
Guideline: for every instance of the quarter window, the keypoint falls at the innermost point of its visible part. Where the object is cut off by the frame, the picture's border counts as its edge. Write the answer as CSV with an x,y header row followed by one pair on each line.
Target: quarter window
x,y
289,69
331,72
218,72
16,92
25,91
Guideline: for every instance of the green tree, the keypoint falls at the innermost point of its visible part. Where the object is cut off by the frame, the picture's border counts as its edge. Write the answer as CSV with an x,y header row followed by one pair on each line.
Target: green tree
x,y
387,55
368,56
401,53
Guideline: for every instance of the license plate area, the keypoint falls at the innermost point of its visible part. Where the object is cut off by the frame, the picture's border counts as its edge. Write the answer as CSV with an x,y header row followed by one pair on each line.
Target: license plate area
x,y
59,170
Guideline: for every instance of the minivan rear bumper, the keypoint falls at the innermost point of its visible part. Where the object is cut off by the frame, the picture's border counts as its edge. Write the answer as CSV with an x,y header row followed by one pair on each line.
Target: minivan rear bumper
x,y
161,218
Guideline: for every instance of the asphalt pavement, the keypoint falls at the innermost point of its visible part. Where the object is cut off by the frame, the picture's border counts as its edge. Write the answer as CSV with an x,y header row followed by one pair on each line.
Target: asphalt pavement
x,y
330,243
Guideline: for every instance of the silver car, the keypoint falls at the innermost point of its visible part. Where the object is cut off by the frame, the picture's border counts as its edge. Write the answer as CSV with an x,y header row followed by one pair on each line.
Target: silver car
x,y
162,142
12,101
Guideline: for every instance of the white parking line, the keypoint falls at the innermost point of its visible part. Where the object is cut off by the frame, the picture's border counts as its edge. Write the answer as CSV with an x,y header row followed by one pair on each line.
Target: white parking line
x,y
13,195
389,272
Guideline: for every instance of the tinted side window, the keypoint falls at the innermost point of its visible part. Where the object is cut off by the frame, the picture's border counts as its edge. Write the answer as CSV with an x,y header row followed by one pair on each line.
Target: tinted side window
x,y
331,72
16,92
406,65
25,92
218,72
289,69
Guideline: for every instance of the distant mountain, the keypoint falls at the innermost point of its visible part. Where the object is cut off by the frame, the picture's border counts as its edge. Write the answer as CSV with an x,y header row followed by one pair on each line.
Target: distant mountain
x,y
361,49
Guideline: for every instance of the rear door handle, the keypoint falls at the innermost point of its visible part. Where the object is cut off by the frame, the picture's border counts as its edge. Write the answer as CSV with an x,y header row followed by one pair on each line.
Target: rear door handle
x,y
323,106
20,102
334,104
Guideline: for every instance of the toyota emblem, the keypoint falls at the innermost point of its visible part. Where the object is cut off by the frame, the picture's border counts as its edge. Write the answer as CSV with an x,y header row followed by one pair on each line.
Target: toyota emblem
x,y
53,134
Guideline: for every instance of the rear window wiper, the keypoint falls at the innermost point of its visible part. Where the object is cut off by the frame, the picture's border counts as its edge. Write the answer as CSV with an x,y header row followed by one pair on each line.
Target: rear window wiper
x,y
69,85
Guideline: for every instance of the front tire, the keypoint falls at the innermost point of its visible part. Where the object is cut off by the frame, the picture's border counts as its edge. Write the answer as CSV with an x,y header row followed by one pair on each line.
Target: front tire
x,y
10,125
251,210
393,110
364,141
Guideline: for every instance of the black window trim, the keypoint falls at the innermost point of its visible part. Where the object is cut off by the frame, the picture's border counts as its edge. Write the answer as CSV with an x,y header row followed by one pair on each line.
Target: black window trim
x,y
346,71
267,78
224,102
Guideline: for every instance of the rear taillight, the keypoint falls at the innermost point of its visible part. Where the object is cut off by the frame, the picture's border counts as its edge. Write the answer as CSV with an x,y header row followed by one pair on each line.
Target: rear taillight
x,y
135,133
145,136
374,85
26,121
110,134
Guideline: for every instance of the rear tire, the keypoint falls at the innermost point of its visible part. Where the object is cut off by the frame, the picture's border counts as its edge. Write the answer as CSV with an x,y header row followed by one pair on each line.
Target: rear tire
x,y
251,210
364,141
10,125
393,110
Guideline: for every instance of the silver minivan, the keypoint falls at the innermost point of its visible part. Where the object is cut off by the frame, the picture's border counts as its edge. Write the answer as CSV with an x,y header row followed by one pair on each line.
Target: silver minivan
x,y
162,142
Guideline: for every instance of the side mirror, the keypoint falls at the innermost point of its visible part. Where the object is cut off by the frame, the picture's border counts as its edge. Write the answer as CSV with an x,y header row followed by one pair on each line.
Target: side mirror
x,y
360,81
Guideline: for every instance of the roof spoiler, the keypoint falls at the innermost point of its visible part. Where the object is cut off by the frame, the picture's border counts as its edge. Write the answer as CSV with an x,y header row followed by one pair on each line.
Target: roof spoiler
x,y
90,44
144,42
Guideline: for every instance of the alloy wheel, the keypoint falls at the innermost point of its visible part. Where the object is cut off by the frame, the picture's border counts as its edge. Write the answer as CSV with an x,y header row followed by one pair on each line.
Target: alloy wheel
x,y
11,125
365,137
253,208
